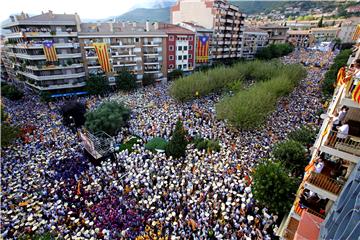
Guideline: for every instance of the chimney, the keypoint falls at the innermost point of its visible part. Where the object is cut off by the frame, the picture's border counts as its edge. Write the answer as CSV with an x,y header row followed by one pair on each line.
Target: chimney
x,y
123,24
134,24
147,28
156,25
51,14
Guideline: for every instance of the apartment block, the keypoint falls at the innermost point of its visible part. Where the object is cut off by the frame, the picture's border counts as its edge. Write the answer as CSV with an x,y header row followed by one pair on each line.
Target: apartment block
x,y
134,47
277,33
180,47
329,193
225,19
325,34
347,29
25,50
254,39
300,38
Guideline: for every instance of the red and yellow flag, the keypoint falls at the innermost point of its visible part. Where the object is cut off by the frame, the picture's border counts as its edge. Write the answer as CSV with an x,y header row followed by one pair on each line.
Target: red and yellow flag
x,y
202,50
50,51
341,76
103,56
356,35
356,94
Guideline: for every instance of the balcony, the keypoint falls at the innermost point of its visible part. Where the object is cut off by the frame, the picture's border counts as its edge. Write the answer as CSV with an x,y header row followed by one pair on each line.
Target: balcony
x,y
14,35
42,57
40,45
347,99
325,183
55,87
230,13
220,42
151,53
291,229
228,35
50,34
52,77
151,44
113,45
120,55
222,27
349,145
229,20
54,67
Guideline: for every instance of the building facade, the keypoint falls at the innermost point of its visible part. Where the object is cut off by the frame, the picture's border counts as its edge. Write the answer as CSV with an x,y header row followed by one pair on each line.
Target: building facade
x,y
326,34
300,38
55,66
330,188
277,33
137,48
254,39
203,43
225,19
347,29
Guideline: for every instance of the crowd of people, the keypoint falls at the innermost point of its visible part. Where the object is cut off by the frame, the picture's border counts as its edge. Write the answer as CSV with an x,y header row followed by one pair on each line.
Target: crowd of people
x,y
48,185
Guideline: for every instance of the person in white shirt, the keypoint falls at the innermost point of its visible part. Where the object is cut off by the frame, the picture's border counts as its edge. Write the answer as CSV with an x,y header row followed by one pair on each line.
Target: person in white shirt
x,y
343,131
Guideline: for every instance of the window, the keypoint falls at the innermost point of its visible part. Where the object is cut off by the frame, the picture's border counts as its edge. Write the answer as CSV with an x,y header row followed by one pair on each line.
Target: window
x,y
190,47
185,48
179,57
171,48
184,66
171,38
191,38
189,65
190,56
171,66
179,66
136,40
171,57
179,48
185,57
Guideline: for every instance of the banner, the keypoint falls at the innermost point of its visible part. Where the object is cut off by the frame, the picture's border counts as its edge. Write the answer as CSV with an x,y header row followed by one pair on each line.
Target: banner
x,y
356,35
356,93
103,56
202,50
50,51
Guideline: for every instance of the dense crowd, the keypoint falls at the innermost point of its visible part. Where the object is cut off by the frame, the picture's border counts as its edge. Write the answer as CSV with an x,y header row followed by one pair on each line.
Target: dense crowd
x,y
48,185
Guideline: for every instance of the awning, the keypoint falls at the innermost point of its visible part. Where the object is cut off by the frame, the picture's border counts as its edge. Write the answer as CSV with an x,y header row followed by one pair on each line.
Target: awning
x,y
309,227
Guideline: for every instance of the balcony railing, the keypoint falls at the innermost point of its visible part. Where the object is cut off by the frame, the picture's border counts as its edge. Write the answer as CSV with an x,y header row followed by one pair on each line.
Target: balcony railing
x,y
322,216
289,235
350,144
325,182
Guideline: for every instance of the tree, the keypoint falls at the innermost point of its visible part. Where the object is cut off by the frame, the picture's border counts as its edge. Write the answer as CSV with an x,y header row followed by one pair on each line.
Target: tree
x,y
97,85
175,74
8,134
126,81
292,154
73,112
273,187
156,143
303,135
45,96
11,92
109,117
148,79
320,23
177,145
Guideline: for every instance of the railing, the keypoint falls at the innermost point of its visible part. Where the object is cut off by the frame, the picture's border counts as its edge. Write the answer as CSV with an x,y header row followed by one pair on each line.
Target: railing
x,y
322,216
325,182
289,235
350,144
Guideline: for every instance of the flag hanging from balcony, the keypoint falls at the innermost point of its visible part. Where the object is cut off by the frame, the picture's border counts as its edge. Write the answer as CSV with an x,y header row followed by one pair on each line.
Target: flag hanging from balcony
x,y
356,94
356,35
340,76
202,55
103,56
50,51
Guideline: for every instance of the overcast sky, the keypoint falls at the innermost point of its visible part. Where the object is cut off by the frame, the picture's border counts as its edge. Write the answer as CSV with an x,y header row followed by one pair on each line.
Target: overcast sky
x,y
87,9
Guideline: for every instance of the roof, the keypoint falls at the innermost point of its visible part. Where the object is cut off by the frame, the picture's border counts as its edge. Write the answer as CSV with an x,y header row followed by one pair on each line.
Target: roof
x,y
194,27
270,25
298,32
324,29
309,227
171,28
253,29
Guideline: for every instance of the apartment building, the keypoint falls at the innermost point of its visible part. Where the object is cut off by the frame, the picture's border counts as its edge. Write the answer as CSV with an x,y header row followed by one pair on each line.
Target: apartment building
x,y
347,29
203,43
44,51
300,38
254,39
134,47
180,47
325,34
329,193
225,19
277,33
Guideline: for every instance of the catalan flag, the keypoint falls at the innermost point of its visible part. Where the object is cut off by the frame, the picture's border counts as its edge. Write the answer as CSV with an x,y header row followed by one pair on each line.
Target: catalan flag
x,y
356,94
340,76
356,35
202,55
50,51
103,56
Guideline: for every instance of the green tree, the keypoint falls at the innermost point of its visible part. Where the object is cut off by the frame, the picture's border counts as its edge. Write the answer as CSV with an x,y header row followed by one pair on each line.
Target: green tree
x,y
292,154
303,135
109,117
45,96
148,79
97,85
175,74
156,143
273,187
126,81
320,23
11,92
8,134
177,145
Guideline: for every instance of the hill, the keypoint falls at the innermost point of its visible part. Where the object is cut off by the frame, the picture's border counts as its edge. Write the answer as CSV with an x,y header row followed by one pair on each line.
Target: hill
x,y
143,14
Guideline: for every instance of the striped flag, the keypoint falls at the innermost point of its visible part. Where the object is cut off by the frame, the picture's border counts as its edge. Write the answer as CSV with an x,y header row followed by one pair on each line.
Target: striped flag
x,y
340,76
202,54
356,94
103,56
356,35
50,51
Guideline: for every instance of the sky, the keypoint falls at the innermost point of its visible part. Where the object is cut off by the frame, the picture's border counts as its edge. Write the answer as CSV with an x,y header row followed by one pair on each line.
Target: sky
x,y
87,9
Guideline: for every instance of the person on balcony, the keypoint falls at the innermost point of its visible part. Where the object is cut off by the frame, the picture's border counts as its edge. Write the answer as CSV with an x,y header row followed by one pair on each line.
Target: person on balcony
x,y
343,131
319,165
356,74
339,117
